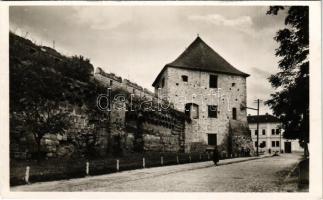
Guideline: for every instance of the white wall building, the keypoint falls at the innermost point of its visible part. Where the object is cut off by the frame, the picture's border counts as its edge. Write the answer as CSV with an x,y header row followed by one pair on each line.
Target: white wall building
x,y
271,135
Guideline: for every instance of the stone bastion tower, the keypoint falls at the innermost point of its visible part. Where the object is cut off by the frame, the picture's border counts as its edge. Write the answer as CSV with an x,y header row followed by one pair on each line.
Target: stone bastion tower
x,y
213,94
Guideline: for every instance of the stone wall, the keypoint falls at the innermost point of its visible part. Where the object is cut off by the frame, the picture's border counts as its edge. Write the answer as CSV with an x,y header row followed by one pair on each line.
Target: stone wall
x,y
161,132
240,137
21,142
71,142
113,81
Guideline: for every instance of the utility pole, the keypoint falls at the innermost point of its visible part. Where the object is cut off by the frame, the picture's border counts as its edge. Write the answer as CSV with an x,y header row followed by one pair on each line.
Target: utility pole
x,y
257,127
280,141
257,109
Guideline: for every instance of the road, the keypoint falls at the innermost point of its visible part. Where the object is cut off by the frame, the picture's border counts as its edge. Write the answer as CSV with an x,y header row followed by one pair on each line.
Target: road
x,y
260,175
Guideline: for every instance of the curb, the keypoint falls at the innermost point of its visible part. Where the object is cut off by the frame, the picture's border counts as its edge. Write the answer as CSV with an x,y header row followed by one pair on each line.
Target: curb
x,y
201,166
290,184
238,161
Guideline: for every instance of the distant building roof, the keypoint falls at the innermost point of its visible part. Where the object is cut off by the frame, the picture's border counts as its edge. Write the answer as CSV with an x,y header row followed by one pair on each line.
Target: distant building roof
x,y
262,119
199,56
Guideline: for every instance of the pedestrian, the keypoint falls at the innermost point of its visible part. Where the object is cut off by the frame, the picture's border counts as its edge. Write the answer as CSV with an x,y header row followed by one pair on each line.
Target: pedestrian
x,y
248,152
242,152
215,156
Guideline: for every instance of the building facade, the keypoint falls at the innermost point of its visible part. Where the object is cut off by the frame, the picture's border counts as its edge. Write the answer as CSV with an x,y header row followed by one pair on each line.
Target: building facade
x,y
211,92
271,135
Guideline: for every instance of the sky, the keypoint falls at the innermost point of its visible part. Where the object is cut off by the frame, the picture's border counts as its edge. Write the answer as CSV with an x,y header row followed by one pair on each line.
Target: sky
x,y
135,42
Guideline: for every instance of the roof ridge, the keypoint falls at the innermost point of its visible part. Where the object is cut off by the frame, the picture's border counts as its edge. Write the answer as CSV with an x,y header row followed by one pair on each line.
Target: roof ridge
x,y
207,58
202,57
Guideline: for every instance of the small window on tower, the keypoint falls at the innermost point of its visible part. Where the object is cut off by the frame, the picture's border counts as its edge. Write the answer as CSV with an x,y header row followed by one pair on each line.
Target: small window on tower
x,y
211,139
188,110
163,83
233,84
213,82
212,111
195,111
184,78
234,113
192,110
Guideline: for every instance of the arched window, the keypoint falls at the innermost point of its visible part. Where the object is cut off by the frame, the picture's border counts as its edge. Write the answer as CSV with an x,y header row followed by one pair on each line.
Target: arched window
x,y
192,110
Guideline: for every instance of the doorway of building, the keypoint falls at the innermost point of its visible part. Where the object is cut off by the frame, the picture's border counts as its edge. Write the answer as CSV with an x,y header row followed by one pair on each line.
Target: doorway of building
x,y
212,139
288,147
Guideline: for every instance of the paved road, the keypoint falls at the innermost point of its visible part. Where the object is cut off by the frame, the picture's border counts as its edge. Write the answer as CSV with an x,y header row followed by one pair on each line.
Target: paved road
x,y
261,175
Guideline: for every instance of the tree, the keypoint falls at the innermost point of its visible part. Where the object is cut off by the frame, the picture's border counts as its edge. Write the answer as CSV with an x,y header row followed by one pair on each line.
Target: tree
x,y
35,95
290,102
41,81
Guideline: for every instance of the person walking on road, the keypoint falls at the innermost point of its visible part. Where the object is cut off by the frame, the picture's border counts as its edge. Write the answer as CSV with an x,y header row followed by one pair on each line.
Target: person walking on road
x,y
215,156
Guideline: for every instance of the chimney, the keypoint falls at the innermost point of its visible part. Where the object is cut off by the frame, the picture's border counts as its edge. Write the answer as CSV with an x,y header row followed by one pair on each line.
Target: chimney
x,y
266,113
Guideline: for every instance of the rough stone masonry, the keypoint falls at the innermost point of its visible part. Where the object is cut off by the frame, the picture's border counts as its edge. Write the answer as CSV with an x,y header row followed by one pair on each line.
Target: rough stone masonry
x,y
207,97
213,93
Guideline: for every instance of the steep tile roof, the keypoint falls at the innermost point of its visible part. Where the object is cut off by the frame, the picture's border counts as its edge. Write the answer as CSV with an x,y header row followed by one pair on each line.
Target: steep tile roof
x,y
262,119
199,56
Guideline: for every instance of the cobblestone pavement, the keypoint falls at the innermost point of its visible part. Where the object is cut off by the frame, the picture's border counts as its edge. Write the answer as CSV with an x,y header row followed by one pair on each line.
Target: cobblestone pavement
x,y
260,175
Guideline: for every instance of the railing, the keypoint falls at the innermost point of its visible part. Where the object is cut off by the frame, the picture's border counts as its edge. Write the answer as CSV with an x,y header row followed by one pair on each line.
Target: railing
x,y
22,172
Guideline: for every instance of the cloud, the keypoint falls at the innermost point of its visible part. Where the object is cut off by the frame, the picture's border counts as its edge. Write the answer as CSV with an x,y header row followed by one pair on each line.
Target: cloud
x,y
221,20
242,23
260,73
103,18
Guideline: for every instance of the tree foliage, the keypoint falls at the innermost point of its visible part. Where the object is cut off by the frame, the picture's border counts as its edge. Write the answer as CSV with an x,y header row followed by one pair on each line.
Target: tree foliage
x,y
41,81
290,102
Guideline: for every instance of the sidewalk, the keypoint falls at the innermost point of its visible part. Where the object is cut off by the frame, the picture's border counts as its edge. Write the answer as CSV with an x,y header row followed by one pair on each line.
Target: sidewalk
x,y
131,175
298,178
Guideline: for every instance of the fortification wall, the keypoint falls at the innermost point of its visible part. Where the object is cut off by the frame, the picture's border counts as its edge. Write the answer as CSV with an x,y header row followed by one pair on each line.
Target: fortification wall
x,y
159,130
73,141
113,81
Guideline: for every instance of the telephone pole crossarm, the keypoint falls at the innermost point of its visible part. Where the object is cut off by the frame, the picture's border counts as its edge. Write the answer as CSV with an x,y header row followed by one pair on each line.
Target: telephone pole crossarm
x,y
251,108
